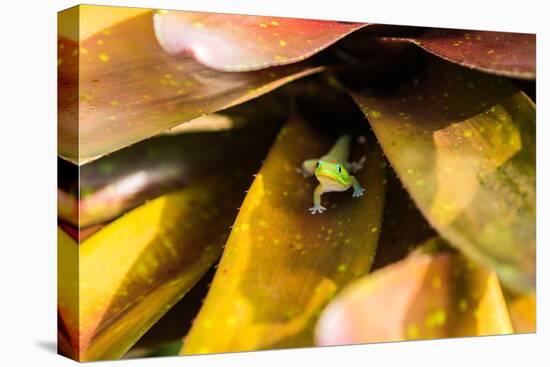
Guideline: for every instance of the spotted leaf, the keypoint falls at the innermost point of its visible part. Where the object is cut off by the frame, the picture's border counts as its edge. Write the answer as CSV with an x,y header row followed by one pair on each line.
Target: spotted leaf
x,y
501,53
118,87
230,42
421,297
281,264
463,144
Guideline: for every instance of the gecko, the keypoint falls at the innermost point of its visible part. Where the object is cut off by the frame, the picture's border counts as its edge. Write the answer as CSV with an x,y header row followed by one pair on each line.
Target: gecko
x,y
333,172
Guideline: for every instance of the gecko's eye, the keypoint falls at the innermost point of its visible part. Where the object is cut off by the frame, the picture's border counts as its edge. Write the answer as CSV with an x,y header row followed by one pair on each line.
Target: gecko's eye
x,y
339,169
318,164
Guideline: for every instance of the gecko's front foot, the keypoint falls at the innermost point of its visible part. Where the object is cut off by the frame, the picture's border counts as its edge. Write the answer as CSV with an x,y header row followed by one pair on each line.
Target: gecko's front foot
x,y
358,192
357,166
317,209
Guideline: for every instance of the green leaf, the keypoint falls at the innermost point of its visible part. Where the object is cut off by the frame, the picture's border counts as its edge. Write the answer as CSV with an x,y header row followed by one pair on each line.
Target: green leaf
x,y
231,42
118,87
463,144
136,268
500,53
421,297
281,264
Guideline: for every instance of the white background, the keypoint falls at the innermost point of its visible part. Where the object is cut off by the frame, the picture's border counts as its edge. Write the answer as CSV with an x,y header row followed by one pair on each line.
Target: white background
x,y
28,182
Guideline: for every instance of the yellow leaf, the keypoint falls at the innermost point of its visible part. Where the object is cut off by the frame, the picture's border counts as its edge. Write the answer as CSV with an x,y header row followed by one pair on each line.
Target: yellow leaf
x,y
281,264
133,270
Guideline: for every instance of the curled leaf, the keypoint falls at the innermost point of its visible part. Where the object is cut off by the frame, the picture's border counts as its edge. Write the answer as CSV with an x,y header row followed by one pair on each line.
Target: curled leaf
x,y
230,42
118,87
501,53
132,271
463,144
421,297
281,264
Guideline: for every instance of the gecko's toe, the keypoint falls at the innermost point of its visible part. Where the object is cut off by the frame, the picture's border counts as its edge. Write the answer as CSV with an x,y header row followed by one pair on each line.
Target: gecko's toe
x,y
358,193
359,165
317,209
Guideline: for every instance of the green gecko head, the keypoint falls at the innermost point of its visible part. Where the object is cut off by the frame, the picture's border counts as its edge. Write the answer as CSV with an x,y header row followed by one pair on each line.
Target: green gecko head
x,y
332,174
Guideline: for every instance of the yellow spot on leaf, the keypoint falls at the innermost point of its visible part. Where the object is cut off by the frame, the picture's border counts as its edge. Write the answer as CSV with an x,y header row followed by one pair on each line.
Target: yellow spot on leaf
x,y
342,268
282,43
412,331
59,62
198,24
83,51
103,57
463,305
274,23
115,102
375,114
100,42
263,25
436,282
436,318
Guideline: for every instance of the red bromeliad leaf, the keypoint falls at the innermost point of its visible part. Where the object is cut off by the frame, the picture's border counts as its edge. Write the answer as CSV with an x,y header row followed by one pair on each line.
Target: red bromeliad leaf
x,y
421,297
463,144
119,86
230,42
501,53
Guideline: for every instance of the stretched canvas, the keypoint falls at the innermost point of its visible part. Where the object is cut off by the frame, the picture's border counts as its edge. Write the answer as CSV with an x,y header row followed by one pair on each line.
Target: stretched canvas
x,y
234,183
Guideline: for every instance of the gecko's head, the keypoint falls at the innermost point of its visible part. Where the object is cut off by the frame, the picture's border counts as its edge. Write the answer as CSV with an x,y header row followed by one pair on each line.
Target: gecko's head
x,y
332,174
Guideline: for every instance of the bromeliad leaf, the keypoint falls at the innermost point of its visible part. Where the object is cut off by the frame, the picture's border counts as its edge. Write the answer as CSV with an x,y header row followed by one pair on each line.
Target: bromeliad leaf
x,y
230,42
421,297
132,271
281,264
128,88
463,144
501,53
127,178
523,313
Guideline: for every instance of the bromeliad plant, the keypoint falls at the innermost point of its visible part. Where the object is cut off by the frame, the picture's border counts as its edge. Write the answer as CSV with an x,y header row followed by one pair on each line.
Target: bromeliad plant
x,y
179,138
